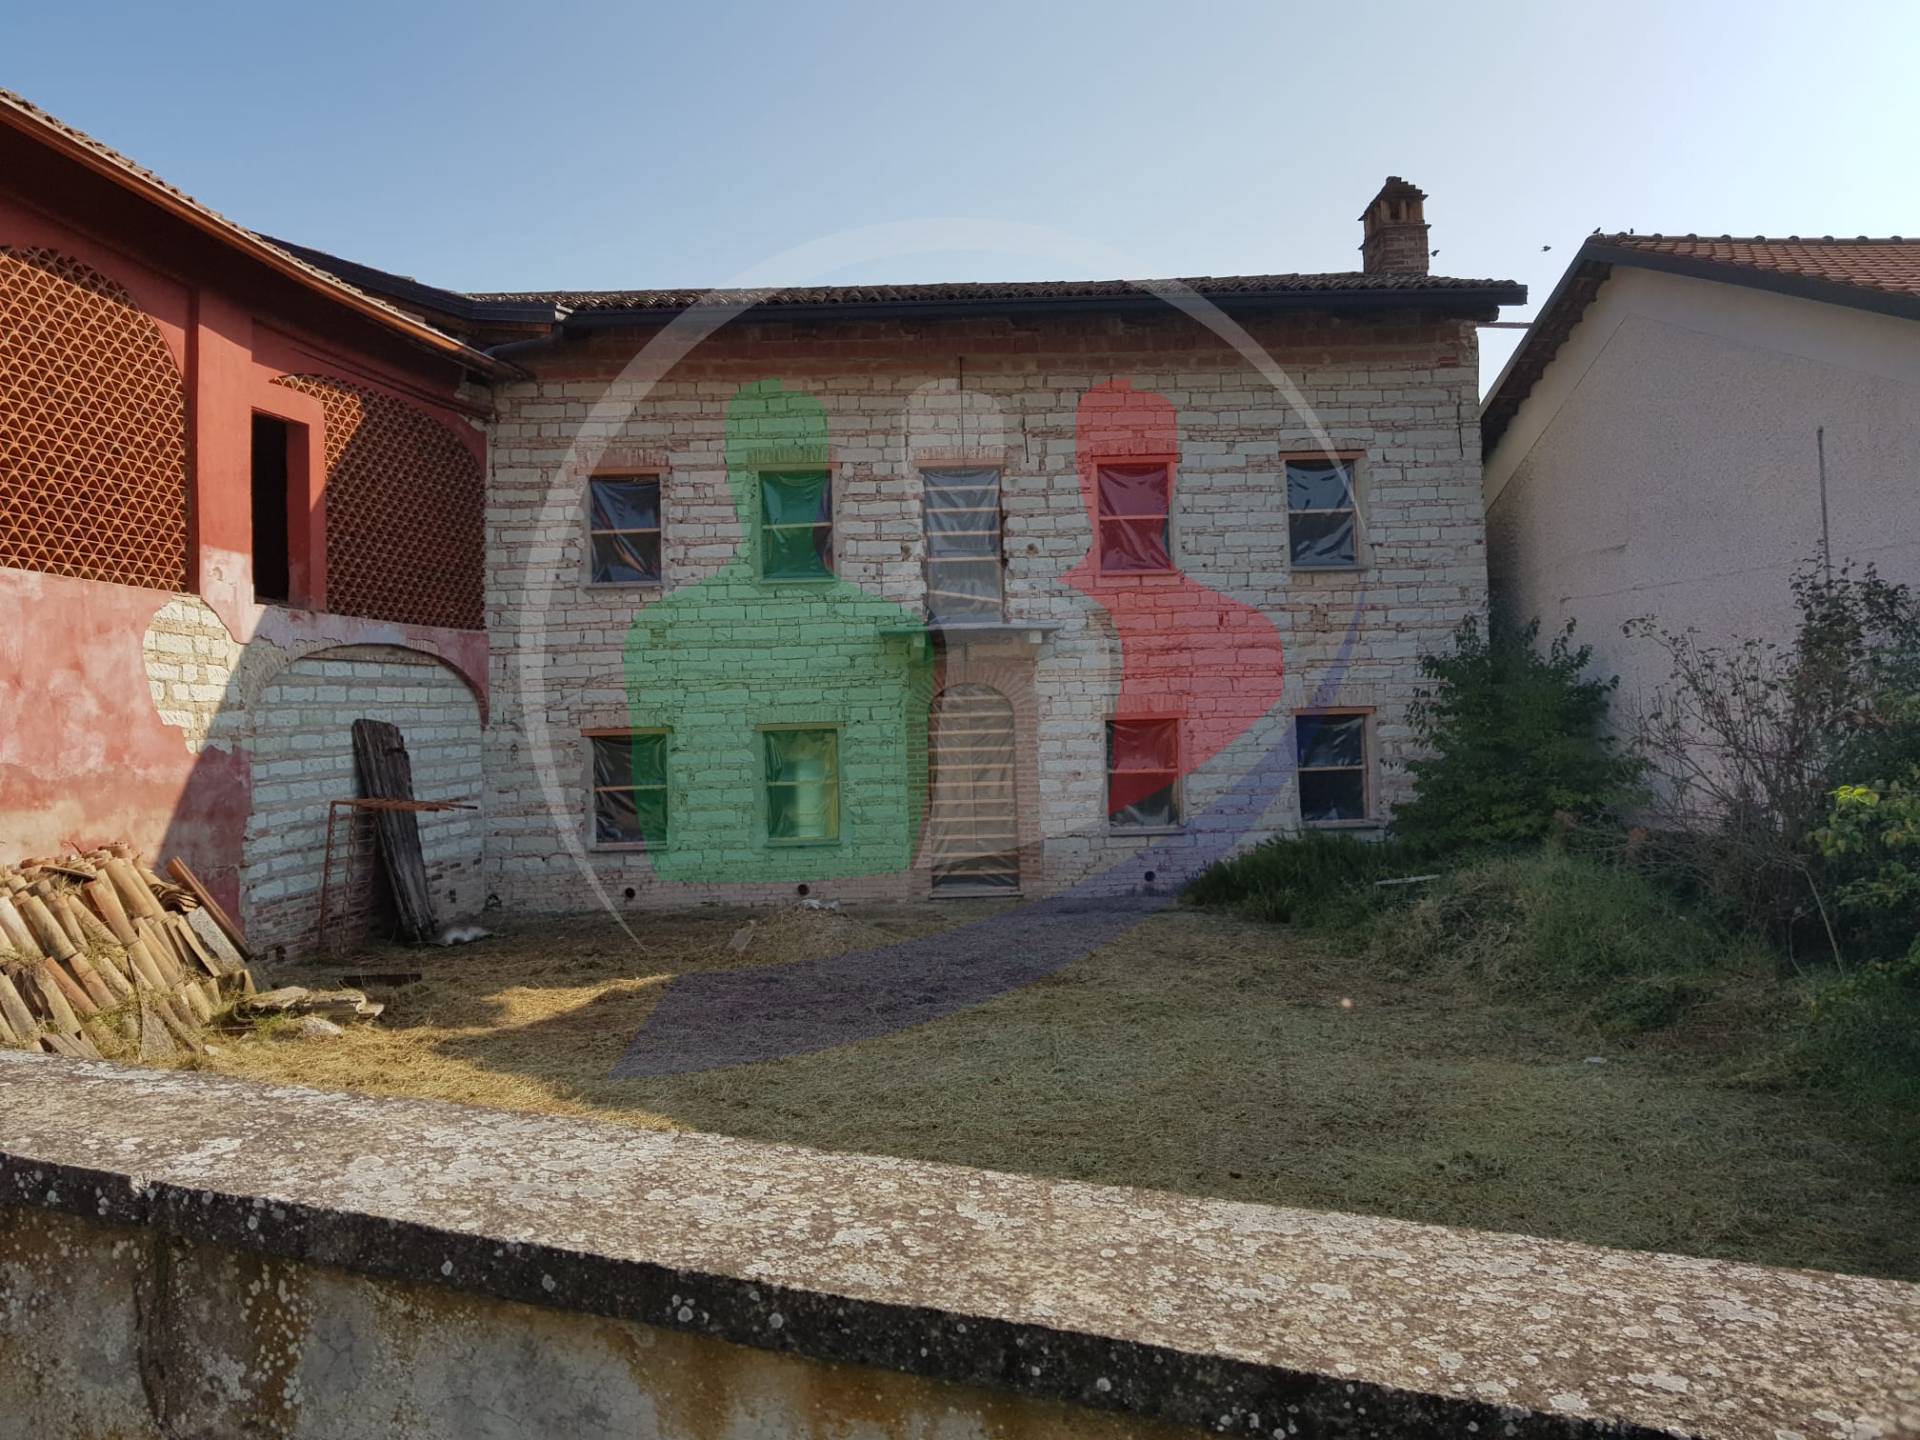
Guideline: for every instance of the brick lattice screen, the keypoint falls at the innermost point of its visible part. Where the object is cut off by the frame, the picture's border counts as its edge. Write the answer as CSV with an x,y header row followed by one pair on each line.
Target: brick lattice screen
x,y
93,429
405,510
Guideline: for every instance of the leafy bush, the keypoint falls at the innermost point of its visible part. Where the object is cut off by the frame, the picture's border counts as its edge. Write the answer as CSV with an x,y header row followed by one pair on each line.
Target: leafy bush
x,y
1871,845
1749,742
1307,879
1515,737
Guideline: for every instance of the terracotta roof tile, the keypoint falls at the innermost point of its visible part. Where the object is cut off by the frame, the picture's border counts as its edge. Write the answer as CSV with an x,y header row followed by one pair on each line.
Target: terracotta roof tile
x,y
1890,265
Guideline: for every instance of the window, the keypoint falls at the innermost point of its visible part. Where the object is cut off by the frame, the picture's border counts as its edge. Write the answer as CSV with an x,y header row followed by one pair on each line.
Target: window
x,y
1332,749
796,524
624,529
1134,505
1143,773
962,517
1323,522
272,539
630,788
803,785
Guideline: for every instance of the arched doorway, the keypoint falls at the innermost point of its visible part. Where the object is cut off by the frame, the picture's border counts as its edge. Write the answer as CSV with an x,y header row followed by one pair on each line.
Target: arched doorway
x,y
973,824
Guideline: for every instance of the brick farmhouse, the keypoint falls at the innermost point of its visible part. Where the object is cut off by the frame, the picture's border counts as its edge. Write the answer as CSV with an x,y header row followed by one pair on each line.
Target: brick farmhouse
x,y
859,591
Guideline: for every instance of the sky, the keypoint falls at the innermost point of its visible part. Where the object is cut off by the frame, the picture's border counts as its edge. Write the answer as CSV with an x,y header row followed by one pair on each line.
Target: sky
x,y
584,144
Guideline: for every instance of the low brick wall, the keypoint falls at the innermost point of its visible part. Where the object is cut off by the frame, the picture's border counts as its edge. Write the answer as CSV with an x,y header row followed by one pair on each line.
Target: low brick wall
x,y
187,1255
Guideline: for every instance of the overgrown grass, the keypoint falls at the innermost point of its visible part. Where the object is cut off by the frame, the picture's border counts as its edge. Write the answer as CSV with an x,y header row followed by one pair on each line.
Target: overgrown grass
x,y
1575,933
1586,942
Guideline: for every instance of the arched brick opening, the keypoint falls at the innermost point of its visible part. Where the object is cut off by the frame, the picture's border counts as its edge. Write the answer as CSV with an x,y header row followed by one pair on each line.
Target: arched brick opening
x,y
300,742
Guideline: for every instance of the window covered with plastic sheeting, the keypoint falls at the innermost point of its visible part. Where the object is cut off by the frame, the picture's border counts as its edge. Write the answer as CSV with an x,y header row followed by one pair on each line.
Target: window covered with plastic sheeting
x,y
973,821
623,522
1323,520
796,524
1143,773
630,788
1135,502
962,518
803,785
1332,750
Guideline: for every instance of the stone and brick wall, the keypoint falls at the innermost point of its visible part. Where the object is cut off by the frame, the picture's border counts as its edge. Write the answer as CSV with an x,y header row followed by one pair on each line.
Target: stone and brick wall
x,y
301,744
1399,391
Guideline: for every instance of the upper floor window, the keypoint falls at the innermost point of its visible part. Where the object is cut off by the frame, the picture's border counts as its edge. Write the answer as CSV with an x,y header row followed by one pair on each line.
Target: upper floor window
x,y
1135,504
630,788
624,529
796,524
1334,774
962,516
1323,519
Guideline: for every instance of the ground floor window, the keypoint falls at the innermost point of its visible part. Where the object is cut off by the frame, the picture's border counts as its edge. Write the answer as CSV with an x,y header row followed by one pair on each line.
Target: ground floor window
x,y
1332,750
1143,773
630,787
803,784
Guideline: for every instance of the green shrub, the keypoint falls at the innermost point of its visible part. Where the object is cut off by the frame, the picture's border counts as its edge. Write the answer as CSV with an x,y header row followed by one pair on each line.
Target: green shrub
x,y
1871,845
1750,740
1514,736
1312,879
1862,1037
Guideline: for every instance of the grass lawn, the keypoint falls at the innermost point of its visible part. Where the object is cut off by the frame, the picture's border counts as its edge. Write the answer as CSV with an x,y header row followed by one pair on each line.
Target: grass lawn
x,y
1200,1053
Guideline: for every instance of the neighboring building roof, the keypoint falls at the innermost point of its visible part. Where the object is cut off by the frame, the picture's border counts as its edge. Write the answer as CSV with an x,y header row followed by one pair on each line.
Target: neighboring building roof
x,y
1888,267
469,309
23,115
1881,275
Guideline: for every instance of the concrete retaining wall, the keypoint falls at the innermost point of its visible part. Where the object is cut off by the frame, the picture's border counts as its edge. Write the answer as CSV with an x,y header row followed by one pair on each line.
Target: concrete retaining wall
x,y
182,1255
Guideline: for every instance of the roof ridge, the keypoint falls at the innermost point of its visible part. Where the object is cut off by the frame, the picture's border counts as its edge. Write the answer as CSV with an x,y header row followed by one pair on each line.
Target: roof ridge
x,y
1629,236
1293,282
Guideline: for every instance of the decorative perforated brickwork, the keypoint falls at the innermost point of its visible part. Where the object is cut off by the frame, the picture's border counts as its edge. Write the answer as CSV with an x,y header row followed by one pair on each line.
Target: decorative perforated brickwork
x,y
405,529
93,428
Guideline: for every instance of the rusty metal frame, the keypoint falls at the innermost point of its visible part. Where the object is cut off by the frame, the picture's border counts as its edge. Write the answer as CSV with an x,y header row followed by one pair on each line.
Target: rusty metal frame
x,y
351,859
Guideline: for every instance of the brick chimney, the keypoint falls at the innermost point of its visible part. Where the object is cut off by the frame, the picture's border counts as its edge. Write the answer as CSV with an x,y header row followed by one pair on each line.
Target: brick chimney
x,y
1394,231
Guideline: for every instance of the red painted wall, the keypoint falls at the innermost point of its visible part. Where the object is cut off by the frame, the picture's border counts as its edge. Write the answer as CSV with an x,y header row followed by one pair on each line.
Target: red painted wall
x,y
85,755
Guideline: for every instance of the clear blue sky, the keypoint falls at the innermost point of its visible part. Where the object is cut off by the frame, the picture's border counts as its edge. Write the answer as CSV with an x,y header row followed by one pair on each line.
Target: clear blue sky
x,y
494,145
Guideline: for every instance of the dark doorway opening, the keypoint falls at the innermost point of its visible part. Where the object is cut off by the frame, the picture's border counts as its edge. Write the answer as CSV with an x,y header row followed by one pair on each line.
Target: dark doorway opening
x,y
272,562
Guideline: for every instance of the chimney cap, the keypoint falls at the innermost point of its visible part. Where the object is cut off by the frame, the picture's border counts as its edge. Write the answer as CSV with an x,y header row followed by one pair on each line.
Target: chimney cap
x,y
1395,188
